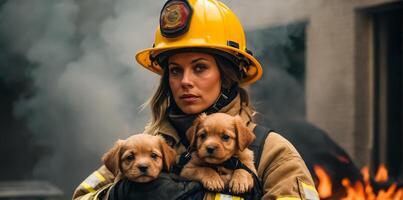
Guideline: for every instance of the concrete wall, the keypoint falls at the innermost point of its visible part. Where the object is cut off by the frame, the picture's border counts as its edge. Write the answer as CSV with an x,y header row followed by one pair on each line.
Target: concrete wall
x,y
339,63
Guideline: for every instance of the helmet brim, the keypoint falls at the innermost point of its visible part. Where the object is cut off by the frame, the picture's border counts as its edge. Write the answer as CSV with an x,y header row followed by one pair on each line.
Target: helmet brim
x,y
147,59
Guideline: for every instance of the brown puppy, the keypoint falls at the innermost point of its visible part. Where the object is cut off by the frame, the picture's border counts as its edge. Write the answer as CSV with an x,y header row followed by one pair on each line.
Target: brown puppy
x,y
140,158
216,138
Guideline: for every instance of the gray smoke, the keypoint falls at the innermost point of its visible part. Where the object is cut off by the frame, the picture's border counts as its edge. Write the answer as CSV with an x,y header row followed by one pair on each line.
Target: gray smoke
x,y
87,87
281,50
278,41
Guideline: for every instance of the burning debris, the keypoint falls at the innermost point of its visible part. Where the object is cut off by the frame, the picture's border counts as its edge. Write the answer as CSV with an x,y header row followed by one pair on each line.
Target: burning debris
x,y
378,188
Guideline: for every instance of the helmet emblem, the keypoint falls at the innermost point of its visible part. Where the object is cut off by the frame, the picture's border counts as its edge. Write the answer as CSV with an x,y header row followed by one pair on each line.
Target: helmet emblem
x,y
172,17
175,18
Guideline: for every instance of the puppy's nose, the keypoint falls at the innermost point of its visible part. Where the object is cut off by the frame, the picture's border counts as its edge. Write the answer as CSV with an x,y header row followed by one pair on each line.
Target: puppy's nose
x,y
210,150
143,168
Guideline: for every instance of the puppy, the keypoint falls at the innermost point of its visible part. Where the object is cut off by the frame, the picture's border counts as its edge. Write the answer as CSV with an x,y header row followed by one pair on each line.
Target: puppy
x,y
216,138
140,158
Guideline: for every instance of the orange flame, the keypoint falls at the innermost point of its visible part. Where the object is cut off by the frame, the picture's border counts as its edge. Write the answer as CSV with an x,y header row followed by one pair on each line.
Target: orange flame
x,y
325,183
359,190
381,174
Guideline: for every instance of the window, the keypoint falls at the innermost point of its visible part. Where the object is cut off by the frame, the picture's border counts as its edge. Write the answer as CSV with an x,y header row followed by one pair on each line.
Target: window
x,y
388,98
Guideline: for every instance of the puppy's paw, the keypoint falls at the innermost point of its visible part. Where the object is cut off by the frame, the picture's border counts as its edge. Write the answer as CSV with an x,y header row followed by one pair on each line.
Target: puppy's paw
x,y
213,183
241,182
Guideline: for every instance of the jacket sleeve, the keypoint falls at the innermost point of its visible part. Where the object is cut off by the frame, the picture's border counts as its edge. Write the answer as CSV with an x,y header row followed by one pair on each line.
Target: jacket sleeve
x,y
283,172
95,186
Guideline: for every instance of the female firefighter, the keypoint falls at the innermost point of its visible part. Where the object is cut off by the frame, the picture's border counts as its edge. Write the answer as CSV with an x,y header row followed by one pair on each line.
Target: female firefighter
x,y
200,52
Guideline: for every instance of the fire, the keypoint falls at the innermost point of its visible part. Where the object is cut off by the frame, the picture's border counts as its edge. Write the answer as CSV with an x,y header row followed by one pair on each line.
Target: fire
x,y
325,183
382,174
359,190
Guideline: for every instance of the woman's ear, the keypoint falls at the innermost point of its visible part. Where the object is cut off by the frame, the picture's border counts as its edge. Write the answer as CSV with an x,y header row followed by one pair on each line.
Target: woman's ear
x,y
168,153
245,136
191,132
111,159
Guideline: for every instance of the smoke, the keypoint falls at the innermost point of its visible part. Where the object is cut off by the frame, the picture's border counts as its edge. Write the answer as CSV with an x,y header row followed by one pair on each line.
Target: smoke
x,y
278,42
281,51
86,86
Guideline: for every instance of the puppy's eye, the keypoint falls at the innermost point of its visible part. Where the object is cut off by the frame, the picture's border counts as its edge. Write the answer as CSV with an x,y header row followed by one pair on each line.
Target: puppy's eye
x,y
154,156
203,135
225,137
130,157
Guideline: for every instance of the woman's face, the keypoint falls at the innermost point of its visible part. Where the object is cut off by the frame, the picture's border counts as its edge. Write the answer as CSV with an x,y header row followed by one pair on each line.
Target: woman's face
x,y
194,79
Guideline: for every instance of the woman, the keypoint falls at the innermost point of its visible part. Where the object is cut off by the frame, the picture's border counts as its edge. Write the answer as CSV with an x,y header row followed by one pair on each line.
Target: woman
x,y
200,52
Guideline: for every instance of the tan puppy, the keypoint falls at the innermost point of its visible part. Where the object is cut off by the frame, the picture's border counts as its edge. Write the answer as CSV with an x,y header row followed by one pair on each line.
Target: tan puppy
x,y
216,138
140,158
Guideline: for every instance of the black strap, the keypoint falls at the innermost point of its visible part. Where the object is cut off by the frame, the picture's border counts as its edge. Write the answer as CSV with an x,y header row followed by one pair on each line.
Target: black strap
x,y
257,190
261,133
234,163
183,160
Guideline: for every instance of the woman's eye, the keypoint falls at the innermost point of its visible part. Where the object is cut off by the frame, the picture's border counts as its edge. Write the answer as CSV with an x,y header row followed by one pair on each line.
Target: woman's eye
x,y
154,156
225,137
174,70
130,158
200,67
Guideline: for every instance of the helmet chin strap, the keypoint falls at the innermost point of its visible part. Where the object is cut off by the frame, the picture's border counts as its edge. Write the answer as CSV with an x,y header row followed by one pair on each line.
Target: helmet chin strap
x,y
216,105
225,97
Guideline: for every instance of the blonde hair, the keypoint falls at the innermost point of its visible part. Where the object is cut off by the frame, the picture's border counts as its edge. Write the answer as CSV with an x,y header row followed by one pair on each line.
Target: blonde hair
x,y
159,102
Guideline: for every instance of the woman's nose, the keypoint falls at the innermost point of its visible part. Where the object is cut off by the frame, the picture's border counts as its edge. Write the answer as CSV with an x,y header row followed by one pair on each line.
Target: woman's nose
x,y
187,79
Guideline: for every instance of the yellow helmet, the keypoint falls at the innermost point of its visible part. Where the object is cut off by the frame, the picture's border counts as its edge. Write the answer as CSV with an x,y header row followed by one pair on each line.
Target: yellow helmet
x,y
203,24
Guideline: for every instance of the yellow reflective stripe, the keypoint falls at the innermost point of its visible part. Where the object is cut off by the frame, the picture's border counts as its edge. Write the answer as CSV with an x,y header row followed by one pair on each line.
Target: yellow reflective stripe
x,y
93,181
87,187
310,191
308,186
288,198
219,196
99,176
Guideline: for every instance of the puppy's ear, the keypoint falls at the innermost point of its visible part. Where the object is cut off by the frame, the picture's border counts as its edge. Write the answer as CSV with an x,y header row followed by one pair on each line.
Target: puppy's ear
x,y
111,158
168,154
191,132
244,136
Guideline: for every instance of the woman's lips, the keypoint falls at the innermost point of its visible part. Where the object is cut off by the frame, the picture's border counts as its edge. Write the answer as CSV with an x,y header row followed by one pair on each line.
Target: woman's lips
x,y
187,98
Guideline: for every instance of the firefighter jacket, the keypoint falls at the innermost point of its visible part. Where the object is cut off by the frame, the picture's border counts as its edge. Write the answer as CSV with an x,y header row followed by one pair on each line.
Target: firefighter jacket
x,y
282,171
